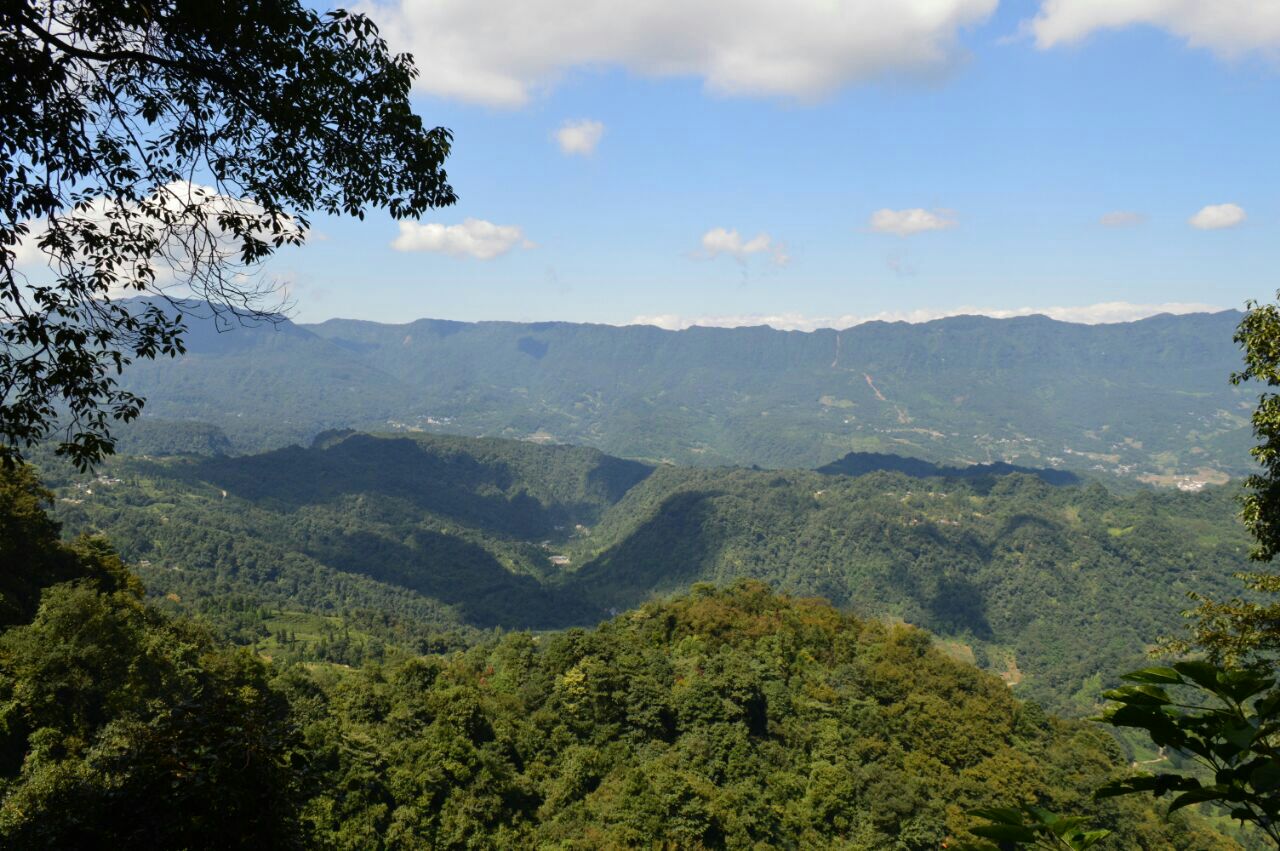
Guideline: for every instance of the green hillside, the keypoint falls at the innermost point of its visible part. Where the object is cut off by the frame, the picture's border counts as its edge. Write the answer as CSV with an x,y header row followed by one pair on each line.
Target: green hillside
x,y
439,532
723,719
411,539
731,718
1142,399
1049,586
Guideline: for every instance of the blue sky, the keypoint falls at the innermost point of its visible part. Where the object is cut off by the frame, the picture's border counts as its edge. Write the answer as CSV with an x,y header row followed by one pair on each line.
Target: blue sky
x,y
1013,139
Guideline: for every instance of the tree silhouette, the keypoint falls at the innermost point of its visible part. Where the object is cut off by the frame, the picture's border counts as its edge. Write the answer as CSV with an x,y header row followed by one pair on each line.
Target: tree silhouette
x,y
168,147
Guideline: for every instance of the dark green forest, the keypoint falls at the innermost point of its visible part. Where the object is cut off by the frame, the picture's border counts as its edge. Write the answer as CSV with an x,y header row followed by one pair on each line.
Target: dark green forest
x,y
732,717
363,544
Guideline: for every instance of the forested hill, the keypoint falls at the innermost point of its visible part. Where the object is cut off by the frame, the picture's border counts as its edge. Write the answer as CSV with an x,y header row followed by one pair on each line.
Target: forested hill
x,y
402,538
1147,398
728,718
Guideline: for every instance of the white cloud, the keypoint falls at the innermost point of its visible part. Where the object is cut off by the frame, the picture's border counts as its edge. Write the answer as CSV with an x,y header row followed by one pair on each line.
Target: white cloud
x,y
1108,311
473,238
1230,28
1093,314
498,52
719,241
908,222
579,137
1121,219
1218,216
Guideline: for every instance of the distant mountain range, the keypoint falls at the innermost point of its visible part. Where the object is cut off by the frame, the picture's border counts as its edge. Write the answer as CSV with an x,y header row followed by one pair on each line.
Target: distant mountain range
x,y
1141,399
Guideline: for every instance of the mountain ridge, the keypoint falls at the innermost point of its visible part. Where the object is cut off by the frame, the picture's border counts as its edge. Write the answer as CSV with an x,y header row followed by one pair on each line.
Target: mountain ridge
x,y
1147,398
549,323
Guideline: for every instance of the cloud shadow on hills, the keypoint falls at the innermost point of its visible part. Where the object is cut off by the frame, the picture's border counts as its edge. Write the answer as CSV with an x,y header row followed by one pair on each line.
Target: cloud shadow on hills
x,y
861,463
661,556
452,485
916,573
459,573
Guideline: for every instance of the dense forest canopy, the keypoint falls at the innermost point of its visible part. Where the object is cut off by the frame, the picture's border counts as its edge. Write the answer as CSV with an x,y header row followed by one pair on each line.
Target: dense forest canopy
x,y
417,541
725,718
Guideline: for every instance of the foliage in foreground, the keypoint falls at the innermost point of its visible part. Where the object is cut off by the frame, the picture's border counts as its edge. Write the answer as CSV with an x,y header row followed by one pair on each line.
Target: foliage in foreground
x,y
121,727
1222,712
1227,719
115,115
1225,709
1033,827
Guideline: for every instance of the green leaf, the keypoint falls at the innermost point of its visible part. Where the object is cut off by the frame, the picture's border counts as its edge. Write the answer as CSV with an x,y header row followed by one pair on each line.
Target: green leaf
x,y
1114,789
1240,734
1004,832
1266,777
1155,675
1158,784
1000,815
1202,674
1161,727
1196,745
1144,695
1198,796
1065,825
1082,841
1242,685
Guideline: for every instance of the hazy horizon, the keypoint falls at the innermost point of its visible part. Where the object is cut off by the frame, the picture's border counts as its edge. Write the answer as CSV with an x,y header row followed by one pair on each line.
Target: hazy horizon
x,y
1107,313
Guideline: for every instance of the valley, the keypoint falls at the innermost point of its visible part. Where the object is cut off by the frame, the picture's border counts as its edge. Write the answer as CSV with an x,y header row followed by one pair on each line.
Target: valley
x,y
439,539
